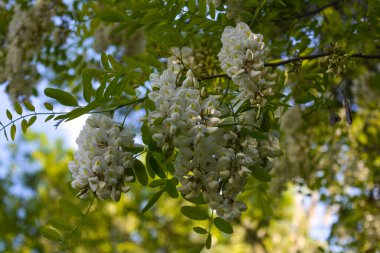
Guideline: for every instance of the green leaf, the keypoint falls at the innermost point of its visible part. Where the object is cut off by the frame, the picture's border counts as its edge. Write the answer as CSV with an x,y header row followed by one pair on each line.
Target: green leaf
x,y
192,5
208,241
24,126
18,108
112,16
29,106
9,115
51,234
71,207
87,86
49,118
48,106
223,225
250,3
152,16
111,87
156,167
198,200
260,174
13,132
152,201
194,213
61,96
199,230
140,172
60,223
115,65
254,134
32,120
105,63
281,2
202,7
171,188
212,10
157,182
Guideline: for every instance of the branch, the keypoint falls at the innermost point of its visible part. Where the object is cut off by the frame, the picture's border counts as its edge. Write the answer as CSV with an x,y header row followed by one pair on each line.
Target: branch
x,y
297,59
315,56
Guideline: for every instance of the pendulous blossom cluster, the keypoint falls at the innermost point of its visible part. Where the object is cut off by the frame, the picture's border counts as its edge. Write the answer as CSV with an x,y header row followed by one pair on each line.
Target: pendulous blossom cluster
x,y
242,58
26,34
100,164
211,161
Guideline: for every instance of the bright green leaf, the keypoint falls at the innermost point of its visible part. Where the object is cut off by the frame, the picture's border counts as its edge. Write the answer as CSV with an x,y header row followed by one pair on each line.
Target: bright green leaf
x,y
60,223
61,96
71,207
51,234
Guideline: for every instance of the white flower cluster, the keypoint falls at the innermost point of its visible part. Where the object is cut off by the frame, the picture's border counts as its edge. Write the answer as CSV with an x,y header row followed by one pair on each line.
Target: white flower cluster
x,y
26,33
242,58
210,161
100,164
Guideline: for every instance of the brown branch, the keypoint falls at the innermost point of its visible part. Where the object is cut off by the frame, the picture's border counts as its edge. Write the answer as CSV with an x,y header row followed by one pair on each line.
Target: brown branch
x,y
297,59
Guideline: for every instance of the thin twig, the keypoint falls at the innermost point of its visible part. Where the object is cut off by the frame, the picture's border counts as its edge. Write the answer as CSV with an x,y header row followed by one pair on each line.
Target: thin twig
x,y
297,59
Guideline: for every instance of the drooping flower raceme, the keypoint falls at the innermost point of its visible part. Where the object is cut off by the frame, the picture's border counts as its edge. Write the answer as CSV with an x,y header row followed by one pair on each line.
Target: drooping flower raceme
x,y
100,164
242,58
210,161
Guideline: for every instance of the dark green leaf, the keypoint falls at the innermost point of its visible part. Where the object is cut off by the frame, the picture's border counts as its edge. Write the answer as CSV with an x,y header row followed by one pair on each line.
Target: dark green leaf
x,y
260,174
194,213
212,10
157,182
140,172
13,132
51,234
9,114
202,7
192,5
251,3
254,134
49,118
208,241
24,126
87,86
156,167
18,108
223,225
199,230
112,16
152,201
171,188
48,106
29,106
61,96
32,120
